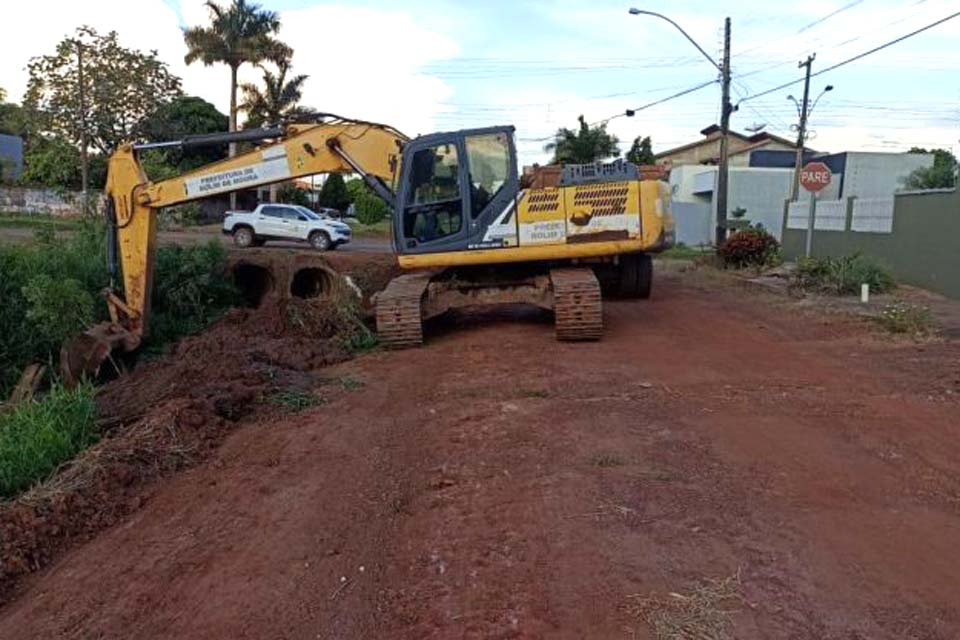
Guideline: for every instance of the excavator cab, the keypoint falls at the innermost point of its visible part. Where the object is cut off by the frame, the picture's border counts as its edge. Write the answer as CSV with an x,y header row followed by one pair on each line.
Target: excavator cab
x,y
457,191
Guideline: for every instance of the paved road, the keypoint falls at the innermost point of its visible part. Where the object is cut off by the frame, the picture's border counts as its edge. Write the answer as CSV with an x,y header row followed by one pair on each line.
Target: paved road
x,y
498,484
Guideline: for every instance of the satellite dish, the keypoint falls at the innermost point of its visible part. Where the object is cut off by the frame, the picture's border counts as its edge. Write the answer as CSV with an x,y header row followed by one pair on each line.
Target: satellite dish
x,y
756,127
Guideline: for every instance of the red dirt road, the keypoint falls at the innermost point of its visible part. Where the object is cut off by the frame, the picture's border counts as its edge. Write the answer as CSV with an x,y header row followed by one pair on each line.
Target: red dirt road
x,y
497,484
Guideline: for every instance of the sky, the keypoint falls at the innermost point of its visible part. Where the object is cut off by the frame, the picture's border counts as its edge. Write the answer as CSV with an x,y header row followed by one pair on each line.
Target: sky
x,y
438,65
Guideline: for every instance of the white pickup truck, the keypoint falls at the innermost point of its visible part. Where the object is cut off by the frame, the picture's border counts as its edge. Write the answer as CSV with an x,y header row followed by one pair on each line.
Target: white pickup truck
x,y
286,222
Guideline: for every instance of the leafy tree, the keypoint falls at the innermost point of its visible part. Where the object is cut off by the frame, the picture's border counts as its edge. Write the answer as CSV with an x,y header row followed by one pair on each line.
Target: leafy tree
x,y
185,116
238,34
3,95
334,194
368,207
277,100
942,175
121,88
51,162
641,151
587,144
11,119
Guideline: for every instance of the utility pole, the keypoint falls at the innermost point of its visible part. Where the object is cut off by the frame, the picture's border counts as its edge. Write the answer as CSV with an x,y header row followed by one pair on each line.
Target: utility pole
x,y
726,111
802,130
84,167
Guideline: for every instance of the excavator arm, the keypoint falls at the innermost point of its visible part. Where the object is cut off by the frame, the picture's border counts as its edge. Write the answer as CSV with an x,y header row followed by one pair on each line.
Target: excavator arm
x,y
337,146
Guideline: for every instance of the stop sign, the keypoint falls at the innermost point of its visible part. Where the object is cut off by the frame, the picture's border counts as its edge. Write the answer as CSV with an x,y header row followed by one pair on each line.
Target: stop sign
x,y
815,176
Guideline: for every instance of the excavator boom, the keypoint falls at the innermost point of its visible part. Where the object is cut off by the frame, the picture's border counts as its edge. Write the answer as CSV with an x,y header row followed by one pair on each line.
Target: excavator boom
x,y
298,150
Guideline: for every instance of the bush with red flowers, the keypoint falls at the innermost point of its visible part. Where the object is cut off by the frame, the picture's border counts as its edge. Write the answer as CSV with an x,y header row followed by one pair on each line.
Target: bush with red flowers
x,y
751,247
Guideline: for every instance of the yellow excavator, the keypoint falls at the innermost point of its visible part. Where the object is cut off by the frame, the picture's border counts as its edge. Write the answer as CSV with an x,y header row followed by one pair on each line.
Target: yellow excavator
x,y
465,227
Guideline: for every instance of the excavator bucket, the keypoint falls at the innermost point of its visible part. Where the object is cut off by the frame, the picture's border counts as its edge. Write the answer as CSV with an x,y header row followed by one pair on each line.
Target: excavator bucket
x,y
83,355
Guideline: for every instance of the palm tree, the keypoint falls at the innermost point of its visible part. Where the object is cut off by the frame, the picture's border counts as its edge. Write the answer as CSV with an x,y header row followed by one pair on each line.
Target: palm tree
x,y
587,144
238,34
276,101
278,98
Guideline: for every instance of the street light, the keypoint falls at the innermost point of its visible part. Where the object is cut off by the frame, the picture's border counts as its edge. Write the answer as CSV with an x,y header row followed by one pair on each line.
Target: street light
x,y
726,110
636,12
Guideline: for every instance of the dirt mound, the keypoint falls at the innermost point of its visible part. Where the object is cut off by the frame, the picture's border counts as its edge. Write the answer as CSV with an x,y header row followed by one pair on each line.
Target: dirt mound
x,y
171,411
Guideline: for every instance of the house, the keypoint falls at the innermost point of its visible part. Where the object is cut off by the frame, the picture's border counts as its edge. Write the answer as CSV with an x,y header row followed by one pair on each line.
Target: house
x,y
11,158
707,150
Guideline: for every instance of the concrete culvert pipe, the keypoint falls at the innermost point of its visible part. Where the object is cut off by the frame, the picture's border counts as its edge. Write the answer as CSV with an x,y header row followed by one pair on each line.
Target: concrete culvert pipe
x,y
311,282
254,281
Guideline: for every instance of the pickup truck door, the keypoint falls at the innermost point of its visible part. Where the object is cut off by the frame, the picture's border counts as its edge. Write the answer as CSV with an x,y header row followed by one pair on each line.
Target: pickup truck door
x,y
296,224
270,221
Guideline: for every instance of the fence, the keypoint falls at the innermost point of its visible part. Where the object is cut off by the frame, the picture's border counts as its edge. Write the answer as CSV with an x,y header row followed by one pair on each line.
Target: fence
x,y
45,201
916,234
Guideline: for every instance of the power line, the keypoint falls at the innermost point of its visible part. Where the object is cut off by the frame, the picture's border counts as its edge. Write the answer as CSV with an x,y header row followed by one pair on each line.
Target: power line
x,y
804,28
632,111
854,58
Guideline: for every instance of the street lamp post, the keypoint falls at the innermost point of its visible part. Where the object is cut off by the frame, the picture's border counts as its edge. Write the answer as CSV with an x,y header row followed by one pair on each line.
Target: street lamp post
x,y
727,109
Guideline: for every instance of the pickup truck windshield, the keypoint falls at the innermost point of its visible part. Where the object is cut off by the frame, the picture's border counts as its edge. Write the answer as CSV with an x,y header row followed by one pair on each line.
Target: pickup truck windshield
x,y
308,213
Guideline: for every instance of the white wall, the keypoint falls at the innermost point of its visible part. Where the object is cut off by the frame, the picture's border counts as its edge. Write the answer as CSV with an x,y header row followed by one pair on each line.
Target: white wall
x,y
879,175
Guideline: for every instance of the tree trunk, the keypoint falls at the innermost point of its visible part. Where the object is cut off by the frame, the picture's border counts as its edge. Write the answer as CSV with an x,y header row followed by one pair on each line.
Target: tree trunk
x,y
233,123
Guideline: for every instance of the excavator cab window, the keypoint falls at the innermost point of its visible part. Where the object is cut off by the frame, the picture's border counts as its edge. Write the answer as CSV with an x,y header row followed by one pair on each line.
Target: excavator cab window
x,y
434,205
489,162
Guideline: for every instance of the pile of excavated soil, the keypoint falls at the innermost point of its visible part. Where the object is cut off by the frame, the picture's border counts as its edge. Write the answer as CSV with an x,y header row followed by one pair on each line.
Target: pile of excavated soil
x,y
170,412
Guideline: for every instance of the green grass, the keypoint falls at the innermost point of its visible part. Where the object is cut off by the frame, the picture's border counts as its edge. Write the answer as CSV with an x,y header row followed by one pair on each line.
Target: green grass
x,y
22,221
683,252
378,230
38,436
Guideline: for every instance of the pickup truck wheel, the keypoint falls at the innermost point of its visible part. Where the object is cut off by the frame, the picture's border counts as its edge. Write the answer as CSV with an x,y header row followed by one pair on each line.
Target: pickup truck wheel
x,y
320,241
243,237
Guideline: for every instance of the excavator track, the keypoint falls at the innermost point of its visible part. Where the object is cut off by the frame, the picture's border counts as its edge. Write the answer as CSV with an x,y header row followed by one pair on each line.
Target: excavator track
x,y
400,311
577,305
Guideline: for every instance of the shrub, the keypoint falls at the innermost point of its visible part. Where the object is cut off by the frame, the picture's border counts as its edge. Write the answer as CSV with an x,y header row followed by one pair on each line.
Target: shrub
x,y
37,436
190,290
844,275
49,292
751,247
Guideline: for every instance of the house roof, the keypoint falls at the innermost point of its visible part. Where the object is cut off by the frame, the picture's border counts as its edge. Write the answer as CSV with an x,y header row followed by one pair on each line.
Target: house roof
x,y
757,140
707,133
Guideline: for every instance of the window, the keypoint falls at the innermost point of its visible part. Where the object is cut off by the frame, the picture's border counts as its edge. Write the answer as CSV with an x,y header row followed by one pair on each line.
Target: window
x,y
433,208
436,174
273,212
489,161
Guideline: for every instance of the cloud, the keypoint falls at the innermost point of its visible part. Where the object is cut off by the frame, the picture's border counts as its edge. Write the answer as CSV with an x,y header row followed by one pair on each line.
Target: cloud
x,y
366,63
362,62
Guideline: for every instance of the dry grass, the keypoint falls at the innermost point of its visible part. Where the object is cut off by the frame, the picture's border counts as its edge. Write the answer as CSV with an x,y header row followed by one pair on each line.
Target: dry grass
x,y
703,614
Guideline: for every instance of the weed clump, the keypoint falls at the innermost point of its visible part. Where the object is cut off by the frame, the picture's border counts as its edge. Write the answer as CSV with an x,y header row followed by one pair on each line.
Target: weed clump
x,y
703,613
843,275
906,318
37,436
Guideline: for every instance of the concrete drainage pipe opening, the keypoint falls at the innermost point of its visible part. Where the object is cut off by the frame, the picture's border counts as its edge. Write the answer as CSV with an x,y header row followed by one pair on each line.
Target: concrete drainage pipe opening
x,y
254,281
311,282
